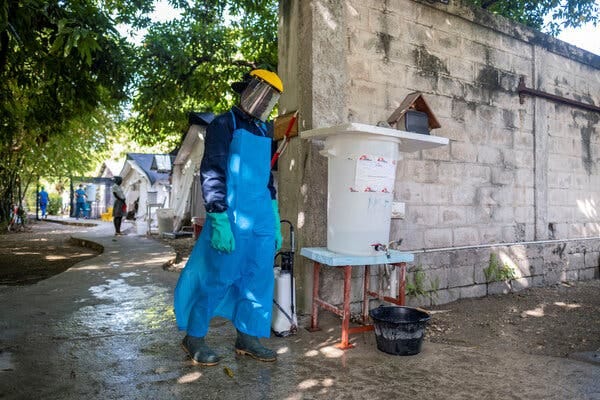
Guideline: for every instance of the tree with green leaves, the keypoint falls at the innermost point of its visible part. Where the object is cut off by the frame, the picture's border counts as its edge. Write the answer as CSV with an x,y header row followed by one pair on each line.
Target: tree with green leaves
x,y
533,13
64,70
187,64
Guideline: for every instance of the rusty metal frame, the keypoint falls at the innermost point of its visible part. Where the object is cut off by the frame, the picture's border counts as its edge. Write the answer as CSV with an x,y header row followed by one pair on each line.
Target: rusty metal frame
x,y
524,90
344,312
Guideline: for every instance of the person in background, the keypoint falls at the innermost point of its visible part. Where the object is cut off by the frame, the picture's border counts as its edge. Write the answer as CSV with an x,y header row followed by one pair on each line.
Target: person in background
x,y
79,201
66,201
88,200
230,270
43,201
119,207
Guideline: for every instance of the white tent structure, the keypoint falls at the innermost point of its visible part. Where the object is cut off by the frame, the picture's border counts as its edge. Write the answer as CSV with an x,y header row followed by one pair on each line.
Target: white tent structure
x,y
186,199
146,184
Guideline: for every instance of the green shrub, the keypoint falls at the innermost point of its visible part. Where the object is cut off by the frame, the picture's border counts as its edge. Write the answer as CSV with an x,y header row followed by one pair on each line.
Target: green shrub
x,y
497,272
54,205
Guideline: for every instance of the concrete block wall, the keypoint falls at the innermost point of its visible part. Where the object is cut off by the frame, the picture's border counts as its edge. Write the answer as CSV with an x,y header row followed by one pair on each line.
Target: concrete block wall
x,y
513,172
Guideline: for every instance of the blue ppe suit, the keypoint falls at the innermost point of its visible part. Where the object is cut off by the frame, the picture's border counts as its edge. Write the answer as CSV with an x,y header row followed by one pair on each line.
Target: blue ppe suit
x,y
80,202
43,201
236,179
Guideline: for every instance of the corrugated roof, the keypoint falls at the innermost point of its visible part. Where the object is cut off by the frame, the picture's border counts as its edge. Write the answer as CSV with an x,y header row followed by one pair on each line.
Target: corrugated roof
x,y
161,163
144,161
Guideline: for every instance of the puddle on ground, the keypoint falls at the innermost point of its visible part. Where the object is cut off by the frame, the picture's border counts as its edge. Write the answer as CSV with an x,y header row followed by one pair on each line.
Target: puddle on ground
x,y
6,363
124,308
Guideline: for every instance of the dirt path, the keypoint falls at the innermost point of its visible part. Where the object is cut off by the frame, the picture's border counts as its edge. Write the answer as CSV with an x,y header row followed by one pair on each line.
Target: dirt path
x,y
556,321
42,250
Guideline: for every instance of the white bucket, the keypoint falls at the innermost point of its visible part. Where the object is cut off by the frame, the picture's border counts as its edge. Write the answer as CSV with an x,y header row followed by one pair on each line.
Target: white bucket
x,y
361,176
141,227
165,218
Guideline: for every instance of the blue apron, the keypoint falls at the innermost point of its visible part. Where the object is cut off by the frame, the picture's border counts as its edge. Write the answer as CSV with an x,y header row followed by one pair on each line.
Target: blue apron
x,y
237,285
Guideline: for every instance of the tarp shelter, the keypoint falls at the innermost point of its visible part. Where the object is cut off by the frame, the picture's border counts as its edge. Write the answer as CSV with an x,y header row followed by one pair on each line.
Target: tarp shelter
x,y
146,188
186,199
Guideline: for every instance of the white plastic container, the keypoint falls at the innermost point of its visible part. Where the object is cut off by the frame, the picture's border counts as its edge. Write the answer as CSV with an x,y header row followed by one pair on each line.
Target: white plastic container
x,y
284,321
361,172
141,227
165,218
361,175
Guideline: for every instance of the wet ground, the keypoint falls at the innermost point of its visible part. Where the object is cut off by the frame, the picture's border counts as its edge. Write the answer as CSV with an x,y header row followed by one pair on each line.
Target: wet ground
x,y
104,329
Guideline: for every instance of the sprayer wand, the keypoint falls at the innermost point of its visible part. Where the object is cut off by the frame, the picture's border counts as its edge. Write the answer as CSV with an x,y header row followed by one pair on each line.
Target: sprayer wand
x,y
285,140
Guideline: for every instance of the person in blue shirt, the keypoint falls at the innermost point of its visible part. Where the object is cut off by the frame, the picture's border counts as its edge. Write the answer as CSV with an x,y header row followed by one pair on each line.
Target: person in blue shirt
x,y
79,201
230,270
43,201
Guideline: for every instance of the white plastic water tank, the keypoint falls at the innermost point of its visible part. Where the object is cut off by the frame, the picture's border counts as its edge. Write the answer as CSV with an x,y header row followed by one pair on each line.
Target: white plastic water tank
x,y
362,172
165,218
361,178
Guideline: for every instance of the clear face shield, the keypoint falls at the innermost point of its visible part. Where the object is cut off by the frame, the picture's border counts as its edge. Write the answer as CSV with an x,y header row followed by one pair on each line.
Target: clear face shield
x,y
259,99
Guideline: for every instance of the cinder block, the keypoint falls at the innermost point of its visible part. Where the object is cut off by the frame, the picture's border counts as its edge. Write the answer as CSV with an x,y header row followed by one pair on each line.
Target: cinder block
x,y
460,276
422,215
502,176
524,214
453,215
418,301
538,281
499,287
523,139
473,291
575,261
437,237
422,171
436,194
437,277
502,138
462,195
571,276
524,177
433,260
553,274
588,274
479,275
461,69
472,257
446,296
464,152
592,259
437,154
465,236
521,284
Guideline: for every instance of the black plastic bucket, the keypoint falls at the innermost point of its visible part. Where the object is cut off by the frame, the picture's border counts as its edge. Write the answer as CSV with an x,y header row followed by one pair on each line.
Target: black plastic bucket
x,y
399,330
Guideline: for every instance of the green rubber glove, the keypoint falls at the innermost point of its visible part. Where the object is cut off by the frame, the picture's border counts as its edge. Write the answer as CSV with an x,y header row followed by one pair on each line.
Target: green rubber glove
x,y
278,237
222,236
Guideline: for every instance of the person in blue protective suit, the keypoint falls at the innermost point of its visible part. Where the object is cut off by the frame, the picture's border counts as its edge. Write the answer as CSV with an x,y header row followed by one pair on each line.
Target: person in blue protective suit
x,y
230,270
79,202
43,201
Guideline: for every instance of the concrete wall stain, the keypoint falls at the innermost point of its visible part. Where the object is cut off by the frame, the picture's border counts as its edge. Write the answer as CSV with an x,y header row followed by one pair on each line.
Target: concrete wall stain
x,y
586,138
383,44
428,64
488,78
508,116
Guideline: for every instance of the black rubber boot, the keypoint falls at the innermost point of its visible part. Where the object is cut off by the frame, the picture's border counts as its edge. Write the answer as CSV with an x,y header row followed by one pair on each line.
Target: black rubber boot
x,y
249,345
199,351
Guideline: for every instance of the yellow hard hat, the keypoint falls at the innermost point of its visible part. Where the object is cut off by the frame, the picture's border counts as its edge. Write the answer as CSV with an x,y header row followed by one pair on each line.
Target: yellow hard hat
x,y
270,77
